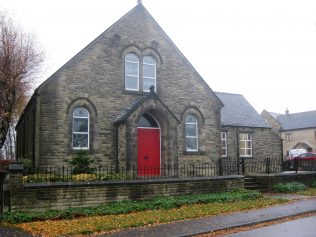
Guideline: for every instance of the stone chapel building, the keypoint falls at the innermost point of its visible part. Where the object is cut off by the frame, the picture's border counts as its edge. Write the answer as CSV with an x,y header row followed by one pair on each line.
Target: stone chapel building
x,y
131,98
128,98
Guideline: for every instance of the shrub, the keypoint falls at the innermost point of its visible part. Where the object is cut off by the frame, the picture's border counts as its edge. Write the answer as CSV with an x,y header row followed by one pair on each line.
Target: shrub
x,y
313,185
40,178
81,163
289,187
114,176
84,177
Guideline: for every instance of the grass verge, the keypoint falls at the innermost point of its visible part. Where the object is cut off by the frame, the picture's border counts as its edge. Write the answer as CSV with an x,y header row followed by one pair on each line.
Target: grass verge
x,y
308,192
88,225
123,207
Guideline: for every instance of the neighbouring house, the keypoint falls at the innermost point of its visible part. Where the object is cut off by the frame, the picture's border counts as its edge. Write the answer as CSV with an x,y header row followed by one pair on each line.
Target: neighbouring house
x,y
128,98
297,130
244,133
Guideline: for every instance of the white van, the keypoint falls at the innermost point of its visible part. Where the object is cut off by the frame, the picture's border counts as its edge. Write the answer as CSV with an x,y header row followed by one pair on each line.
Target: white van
x,y
296,152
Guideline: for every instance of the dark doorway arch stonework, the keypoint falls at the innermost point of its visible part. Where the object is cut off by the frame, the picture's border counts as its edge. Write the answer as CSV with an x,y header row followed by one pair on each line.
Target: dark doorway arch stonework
x,y
128,133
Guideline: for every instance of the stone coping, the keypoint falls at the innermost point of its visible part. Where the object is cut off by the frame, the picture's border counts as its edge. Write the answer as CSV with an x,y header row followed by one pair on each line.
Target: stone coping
x,y
286,173
131,182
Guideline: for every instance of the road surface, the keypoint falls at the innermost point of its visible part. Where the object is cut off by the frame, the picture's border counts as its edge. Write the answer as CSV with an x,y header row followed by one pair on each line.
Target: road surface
x,y
305,227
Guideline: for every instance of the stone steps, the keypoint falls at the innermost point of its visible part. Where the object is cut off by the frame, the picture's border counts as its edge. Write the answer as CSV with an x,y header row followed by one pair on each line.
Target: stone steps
x,y
252,184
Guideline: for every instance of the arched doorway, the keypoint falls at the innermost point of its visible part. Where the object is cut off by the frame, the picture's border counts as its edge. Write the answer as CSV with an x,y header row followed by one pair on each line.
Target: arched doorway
x,y
148,134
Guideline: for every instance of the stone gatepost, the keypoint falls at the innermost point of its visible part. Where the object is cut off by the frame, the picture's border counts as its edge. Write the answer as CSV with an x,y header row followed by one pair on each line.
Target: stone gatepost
x,y
15,184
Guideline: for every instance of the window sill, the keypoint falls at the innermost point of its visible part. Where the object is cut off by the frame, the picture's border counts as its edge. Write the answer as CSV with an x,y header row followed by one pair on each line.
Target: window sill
x,y
139,92
194,153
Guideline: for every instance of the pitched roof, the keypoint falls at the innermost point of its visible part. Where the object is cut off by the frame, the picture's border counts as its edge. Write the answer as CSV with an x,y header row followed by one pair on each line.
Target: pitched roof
x,y
124,114
237,111
139,7
297,120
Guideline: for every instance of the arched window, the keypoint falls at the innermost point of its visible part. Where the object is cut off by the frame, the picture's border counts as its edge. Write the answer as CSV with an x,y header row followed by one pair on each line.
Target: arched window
x,y
149,73
147,121
191,133
80,128
131,72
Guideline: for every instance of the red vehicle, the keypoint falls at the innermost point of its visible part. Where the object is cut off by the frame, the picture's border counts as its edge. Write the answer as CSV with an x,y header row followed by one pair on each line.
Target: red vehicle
x,y
303,162
304,156
307,156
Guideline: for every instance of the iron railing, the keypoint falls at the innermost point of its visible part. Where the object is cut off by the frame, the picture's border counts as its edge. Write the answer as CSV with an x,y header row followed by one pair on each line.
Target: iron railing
x,y
299,165
224,167
111,172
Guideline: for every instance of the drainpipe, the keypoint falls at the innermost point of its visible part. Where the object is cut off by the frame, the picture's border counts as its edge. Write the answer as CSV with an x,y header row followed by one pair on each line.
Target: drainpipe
x,y
117,147
34,129
282,154
237,135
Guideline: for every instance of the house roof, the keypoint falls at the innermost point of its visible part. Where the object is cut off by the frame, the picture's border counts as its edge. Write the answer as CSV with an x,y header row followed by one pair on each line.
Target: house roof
x,y
237,111
297,120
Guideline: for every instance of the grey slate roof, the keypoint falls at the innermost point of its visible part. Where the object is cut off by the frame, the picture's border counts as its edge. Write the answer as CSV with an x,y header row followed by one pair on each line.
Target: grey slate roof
x,y
238,112
297,120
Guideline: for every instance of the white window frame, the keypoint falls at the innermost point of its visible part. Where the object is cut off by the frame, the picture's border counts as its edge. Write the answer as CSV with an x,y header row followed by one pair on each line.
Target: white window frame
x,y
288,137
245,142
224,139
73,132
155,71
196,132
130,75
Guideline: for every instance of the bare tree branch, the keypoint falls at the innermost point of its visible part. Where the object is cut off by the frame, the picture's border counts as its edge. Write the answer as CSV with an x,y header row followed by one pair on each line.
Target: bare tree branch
x,y
19,62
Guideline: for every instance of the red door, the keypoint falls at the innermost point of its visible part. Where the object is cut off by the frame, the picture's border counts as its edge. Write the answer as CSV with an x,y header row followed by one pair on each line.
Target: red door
x,y
148,151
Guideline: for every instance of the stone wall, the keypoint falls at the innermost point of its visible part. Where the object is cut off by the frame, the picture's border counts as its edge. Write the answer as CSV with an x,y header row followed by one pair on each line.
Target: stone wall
x,y
64,195
269,180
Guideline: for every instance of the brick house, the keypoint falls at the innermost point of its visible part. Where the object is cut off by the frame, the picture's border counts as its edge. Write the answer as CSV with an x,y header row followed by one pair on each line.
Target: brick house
x,y
130,97
244,133
297,130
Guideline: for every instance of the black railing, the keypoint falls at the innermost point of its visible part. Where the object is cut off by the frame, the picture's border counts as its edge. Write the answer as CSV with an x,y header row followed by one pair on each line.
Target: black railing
x,y
224,167
110,172
299,165
262,166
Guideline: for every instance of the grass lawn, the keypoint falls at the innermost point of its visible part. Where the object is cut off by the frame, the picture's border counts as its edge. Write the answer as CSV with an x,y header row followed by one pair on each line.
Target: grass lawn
x,y
94,224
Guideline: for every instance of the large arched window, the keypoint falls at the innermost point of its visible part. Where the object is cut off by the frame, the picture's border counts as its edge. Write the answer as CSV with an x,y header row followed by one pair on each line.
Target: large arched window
x,y
149,73
80,128
131,72
191,133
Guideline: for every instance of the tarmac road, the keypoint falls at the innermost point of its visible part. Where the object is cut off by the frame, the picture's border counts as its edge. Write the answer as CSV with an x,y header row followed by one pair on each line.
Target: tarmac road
x,y
305,227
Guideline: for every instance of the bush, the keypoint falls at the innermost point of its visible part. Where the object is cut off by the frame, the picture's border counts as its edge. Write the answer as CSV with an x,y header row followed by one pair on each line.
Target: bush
x,y
290,187
81,163
84,177
114,176
313,185
40,178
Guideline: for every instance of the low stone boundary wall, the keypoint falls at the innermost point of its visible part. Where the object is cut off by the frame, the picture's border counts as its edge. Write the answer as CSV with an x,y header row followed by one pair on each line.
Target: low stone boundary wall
x,y
269,180
84,194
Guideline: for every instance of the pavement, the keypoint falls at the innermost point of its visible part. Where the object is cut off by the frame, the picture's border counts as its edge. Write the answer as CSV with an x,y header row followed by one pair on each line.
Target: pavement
x,y
208,224
299,205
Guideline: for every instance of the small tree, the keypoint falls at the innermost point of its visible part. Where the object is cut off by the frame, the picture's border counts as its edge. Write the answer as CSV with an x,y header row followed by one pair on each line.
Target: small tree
x,y
81,163
19,62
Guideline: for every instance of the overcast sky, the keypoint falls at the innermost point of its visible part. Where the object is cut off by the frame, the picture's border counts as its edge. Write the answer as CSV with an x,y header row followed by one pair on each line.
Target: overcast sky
x,y
264,50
